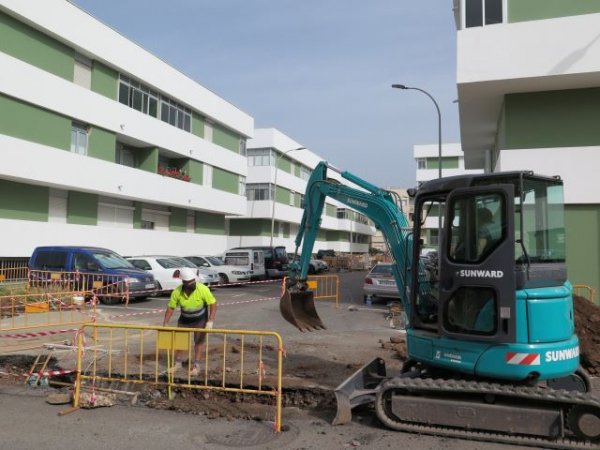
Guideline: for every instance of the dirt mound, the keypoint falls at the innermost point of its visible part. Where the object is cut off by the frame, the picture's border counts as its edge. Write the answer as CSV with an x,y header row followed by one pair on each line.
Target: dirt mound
x,y
587,327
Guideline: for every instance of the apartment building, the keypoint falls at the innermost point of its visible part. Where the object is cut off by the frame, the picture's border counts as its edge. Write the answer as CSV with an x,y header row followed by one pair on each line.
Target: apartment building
x,y
105,144
278,169
428,163
528,93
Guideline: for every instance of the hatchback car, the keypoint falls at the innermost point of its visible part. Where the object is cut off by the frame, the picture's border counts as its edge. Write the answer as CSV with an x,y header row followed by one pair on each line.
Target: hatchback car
x,y
227,273
380,282
166,270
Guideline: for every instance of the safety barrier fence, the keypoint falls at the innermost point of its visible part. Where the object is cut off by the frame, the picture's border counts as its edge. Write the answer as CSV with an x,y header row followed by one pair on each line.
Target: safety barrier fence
x,y
322,286
586,292
109,289
233,361
13,275
45,310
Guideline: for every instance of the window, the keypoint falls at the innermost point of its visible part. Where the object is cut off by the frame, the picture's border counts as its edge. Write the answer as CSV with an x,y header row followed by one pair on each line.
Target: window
x,y
242,186
85,263
82,71
259,191
50,260
113,212
477,227
137,96
292,198
141,264
243,150
472,310
175,114
483,12
259,157
79,139
125,157
421,163
305,172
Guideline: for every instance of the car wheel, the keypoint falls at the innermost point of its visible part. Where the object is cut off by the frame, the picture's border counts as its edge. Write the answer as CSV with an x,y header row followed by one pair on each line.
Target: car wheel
x,y
223,279
110,300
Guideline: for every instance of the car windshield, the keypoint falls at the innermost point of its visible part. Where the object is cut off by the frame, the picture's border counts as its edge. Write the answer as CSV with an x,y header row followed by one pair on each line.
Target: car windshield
x,y
184,262
113,261
168,263
382,269
214,260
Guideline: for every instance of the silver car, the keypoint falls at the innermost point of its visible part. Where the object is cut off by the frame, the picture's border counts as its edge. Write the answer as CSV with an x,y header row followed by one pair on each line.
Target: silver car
x,y
380,282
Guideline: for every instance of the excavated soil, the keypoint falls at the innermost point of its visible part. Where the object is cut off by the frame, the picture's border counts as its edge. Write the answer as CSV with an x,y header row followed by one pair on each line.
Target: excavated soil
x,y
587,327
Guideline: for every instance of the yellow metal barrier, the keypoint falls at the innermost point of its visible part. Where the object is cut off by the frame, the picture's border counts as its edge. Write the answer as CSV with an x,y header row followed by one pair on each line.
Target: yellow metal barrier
x,y
44,310
109,288
10,276
236,361
322,286
591,292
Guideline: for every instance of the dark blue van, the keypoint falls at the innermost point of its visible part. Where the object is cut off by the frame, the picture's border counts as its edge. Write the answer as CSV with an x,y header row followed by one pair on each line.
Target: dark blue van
x,y
94,265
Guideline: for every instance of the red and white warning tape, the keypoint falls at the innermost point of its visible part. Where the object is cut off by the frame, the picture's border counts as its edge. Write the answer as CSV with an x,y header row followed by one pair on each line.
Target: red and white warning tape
x,y
51,373
247,282
37,334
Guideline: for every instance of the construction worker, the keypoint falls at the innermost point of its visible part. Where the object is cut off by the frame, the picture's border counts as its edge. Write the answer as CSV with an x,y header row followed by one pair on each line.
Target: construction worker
x,y
198,309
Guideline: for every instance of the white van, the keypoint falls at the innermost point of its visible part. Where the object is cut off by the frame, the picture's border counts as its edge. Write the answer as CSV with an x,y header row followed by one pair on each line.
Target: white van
x,y
250,259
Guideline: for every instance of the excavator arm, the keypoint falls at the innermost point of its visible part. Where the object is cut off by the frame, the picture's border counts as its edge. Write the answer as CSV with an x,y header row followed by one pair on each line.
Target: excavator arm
x,y
297,303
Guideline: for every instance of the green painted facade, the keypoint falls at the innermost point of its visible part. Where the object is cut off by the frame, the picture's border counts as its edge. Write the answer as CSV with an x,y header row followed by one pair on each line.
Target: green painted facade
x,y
178,220
23,201
102,144
284,164
550,119
249,227
282,195
582,223
27,44
330,210
225,181
137,216
82,208
297,200
448,162
197,124
195,169
208,223
297,170
25,121
104,80
226,138
526,10
147,159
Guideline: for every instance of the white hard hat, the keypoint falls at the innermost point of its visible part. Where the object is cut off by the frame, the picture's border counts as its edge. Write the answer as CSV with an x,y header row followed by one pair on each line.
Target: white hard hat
x,y
187,274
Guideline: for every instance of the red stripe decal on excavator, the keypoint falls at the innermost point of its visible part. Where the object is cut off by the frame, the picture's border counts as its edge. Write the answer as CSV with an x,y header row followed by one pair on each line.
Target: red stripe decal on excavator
x,y
523,359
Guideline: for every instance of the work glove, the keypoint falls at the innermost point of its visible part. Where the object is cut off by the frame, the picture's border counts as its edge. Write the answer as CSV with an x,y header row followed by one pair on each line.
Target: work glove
x,y
209,325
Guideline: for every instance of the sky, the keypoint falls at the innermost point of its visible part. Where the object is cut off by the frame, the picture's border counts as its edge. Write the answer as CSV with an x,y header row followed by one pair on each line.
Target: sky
x,y
320,71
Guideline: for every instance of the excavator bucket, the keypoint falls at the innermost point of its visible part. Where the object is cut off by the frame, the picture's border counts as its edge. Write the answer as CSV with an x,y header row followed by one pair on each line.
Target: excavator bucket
x,y
298,308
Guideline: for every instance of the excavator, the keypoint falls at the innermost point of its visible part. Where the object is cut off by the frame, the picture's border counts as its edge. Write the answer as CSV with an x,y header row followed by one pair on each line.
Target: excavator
x,y
490,333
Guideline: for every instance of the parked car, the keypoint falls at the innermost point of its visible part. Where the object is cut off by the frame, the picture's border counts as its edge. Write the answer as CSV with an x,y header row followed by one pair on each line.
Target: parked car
x,y
315,266
380,282
251,260
227,273
321,253
91,265
275,259
166,270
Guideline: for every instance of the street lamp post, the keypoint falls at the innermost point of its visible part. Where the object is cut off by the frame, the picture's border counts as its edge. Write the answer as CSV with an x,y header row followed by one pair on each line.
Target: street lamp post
x,y
401,86
275,188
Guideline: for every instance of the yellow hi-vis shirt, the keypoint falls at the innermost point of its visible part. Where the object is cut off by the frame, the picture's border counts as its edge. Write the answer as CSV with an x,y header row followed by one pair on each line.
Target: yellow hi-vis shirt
x,y
192,306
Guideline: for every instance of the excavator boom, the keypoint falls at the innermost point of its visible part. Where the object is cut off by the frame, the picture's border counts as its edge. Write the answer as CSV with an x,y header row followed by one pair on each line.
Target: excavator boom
x,y
297,303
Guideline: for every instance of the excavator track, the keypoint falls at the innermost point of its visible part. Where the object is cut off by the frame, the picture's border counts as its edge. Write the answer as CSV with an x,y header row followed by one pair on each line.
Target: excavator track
x,y
434,388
